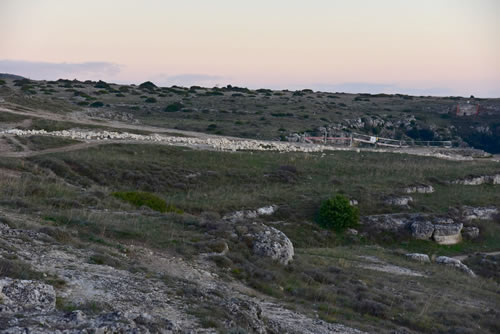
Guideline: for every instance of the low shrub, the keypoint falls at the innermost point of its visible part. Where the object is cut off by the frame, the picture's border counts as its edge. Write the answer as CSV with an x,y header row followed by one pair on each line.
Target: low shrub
x,y
150,100
96,104
102,84
18,269
176,106
139,198
147,85
337,214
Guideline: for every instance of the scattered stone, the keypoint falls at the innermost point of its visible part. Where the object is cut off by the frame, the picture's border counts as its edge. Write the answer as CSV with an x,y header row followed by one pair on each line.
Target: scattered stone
x,y
451,262
418,257
478,180
351,231
273,243
266,210
419,188
353,202
399,201
470,232
239,216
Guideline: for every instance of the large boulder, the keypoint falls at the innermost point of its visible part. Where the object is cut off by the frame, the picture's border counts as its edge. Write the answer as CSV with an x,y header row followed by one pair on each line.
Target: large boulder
x,y
447,234
451,262
422,229
26,296
418,257
273,243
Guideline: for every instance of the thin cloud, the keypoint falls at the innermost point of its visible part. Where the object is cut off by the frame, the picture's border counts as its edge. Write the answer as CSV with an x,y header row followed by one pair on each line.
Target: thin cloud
x,y
52,71
188,79
376,88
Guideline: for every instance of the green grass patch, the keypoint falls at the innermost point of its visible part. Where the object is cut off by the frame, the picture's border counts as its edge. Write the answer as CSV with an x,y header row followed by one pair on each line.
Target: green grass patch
x,y
152,201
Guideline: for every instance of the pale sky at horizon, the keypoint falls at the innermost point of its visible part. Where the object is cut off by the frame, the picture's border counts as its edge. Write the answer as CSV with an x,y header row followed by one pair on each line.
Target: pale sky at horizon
x,y
439,47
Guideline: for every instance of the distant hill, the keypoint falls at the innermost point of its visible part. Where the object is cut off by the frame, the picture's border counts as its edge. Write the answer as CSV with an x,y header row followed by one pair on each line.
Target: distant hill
x,y
10,76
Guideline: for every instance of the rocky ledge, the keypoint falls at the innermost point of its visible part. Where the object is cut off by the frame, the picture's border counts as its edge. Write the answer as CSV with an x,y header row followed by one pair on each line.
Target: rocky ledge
x,y
442,230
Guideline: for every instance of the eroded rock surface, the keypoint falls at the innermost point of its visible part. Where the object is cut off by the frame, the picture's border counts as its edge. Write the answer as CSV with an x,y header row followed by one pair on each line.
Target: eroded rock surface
x,y
470,232
399,201
451,262
419,189
443,230
419,257
273,243
138,302
242,215
26,296
478,180
486,213
448,233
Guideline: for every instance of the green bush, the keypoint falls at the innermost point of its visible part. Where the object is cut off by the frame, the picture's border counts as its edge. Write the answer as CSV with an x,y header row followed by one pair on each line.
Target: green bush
x,y
152,201
102,84
97,104
337,214
147,85
150,100
176,106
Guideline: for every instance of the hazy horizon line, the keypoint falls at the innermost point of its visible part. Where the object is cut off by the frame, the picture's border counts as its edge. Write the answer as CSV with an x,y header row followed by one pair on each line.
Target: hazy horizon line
x,y
271,87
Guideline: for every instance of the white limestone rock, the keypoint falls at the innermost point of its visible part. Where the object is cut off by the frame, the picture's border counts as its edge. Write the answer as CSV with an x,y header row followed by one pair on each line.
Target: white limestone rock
x,y
451,262
273,243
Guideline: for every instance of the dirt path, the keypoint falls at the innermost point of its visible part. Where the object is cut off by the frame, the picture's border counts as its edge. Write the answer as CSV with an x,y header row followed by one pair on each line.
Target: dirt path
x,y
11,108
69,148
449,154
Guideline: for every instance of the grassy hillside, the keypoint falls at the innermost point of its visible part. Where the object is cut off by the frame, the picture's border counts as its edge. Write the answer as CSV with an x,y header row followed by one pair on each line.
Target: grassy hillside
x,y
268,114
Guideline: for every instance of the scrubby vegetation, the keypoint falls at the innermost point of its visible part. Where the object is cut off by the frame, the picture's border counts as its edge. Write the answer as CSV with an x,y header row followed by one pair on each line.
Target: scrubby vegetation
x,y
117,202
338,214
149,200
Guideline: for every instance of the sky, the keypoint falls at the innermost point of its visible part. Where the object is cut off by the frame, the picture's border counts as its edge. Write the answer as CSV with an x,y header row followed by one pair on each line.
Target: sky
x,y
425,47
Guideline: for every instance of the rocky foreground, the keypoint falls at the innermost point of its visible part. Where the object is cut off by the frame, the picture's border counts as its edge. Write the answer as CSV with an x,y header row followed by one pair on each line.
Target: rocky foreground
x,y
96,298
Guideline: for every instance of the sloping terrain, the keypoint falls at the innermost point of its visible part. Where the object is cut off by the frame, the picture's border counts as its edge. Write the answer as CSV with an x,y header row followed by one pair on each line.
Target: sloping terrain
x,y
266,114
121,235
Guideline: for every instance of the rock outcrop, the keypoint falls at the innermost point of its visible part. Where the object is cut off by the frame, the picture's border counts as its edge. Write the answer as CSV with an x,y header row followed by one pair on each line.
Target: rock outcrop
x,y
111,300
399,201
270,242
242,215
419,257
442,230
448,233
470,232
419,189
26,296
422,229
451,262
478,180
486,213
